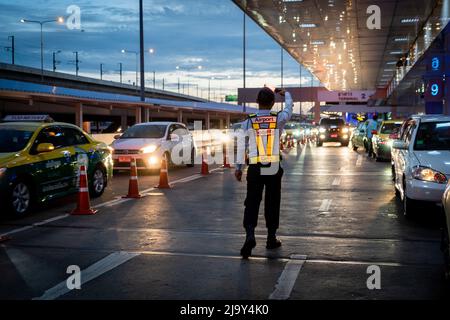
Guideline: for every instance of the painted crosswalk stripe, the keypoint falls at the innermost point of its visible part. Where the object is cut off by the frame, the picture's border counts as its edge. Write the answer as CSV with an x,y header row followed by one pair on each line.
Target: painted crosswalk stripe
x,y
336,182
359,161
325,206
287,280
94,271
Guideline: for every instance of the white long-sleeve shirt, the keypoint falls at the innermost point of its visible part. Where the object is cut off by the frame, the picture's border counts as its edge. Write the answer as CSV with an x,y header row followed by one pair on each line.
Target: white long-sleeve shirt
x,y
283,117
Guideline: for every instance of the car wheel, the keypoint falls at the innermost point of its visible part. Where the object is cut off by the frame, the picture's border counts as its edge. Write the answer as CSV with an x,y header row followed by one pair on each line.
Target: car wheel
x,y
192,163
445,247
409,205
20,199
98,182
355,148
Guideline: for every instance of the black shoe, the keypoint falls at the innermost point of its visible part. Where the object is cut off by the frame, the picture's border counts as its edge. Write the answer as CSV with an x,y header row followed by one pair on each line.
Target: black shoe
x,y
273,244
249,244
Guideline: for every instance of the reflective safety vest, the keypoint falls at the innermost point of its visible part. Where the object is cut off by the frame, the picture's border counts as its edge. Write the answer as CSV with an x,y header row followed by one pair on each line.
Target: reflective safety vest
x,y
266,137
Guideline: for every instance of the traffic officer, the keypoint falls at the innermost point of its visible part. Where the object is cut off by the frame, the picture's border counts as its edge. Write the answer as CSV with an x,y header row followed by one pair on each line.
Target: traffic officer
x,y
371,127
264,170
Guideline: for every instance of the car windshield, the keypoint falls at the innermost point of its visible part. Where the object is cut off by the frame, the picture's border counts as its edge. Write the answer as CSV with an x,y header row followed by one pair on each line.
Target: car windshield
x,y
332,122
13,140
388,128
145,132
433,136
292,125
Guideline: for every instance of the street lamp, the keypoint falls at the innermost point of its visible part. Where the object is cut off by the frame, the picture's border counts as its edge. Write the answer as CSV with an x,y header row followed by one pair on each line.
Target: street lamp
x,y
41,23
55,62
137,67
189,68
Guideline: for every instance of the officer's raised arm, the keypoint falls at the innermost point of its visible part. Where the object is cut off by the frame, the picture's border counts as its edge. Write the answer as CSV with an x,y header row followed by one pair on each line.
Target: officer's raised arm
x,y
285,115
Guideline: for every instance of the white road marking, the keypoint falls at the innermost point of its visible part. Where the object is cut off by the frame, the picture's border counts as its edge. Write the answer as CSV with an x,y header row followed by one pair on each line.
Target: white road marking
x,y
325,206
287,280
108,204
336,182
94,271
359,161
377,174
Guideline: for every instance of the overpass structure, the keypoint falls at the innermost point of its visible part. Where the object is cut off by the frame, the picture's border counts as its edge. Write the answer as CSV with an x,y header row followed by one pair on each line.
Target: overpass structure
x,y
82,100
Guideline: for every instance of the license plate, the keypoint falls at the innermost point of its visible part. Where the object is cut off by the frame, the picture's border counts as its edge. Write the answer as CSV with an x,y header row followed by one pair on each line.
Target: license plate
x,y
334,135
124,159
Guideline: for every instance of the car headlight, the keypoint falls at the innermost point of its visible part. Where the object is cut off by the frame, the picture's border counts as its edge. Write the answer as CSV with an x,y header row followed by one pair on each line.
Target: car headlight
x,y
428,174
2,171
322,130
345,130
149,149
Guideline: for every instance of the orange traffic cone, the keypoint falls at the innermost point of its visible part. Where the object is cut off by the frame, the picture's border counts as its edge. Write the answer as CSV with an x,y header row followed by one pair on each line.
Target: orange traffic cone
x,y
205,167
83,201
281,145
164,175
226,165
133,187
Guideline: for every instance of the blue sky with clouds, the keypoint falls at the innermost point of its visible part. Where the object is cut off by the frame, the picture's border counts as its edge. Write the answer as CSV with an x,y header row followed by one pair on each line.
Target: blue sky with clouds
x,y
183,32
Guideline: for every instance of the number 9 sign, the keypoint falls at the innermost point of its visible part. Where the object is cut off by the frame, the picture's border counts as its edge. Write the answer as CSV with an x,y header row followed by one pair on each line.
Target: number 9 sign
x,y
434,90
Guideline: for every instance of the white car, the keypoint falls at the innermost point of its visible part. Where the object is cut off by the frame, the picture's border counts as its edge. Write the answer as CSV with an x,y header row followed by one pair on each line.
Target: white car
x,y
421,160
149,142
446,232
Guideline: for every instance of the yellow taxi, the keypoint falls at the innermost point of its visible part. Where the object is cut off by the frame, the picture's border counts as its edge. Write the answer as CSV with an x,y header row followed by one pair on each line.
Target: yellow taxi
x,y
40,160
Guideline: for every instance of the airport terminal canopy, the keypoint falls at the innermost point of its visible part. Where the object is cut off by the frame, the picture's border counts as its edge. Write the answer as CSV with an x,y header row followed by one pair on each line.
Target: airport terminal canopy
x,y
351,44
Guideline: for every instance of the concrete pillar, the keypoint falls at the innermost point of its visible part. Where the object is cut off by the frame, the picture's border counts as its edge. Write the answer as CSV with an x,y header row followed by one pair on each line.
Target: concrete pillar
x,y
146,115
87,126
79,115
317,112
180,116
208,121
138,115
124,122
228,121
221,123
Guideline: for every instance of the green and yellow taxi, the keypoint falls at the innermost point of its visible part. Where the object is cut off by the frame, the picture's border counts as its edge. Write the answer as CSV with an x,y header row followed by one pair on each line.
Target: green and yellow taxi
x,y
40,161
383,139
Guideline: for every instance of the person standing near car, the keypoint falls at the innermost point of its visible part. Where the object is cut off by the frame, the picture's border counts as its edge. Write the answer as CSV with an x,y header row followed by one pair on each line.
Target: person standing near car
x,y
371,127
264,170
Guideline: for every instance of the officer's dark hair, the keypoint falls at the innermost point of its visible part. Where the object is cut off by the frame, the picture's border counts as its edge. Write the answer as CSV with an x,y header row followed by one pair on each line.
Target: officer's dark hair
x,y
266,98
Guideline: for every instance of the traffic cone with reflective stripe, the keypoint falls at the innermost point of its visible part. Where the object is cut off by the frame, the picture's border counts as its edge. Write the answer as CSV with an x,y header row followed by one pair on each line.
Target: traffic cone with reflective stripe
x,y
83,201
205,167
133,186
164,175
226,165
281,145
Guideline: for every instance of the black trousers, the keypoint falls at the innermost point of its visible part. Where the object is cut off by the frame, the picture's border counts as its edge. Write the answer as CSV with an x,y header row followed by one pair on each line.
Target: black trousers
x,y
255,187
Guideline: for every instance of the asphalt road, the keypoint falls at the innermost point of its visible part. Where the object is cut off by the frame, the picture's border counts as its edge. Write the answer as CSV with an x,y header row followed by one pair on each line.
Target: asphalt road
x,y
339,217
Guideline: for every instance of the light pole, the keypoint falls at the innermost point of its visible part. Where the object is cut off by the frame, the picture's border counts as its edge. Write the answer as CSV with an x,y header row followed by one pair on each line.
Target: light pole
x,y
76,62
188,68
141,42
12,49
54,60
101,70
41,23
120,71
137,65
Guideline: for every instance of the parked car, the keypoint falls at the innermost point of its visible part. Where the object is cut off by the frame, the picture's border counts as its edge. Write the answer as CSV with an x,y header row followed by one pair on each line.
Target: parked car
x,y
293,130
149,142
40,160
445,243
333,130
383,140
421,161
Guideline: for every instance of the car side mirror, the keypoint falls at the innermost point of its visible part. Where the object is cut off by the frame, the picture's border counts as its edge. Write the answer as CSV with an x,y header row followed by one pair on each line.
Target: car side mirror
x,y
117,136
394,136
174,138
400,145
45,147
